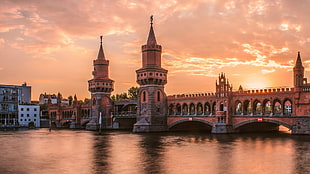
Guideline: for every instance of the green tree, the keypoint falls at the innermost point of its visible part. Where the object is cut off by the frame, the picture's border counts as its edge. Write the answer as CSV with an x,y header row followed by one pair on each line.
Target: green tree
x,y
70,98
133,93
86,101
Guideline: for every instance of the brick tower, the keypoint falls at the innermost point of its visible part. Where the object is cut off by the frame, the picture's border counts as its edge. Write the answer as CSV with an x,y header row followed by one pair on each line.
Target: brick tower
x,y
152,100
100,87
298,70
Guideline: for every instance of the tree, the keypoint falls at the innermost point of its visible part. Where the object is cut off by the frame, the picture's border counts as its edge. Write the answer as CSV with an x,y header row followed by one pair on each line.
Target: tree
x,y
86,101
70,98
133,93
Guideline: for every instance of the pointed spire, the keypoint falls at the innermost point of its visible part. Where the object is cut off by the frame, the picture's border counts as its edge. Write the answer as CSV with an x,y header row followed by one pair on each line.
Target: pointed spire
x,y
100,54
298,61
151,39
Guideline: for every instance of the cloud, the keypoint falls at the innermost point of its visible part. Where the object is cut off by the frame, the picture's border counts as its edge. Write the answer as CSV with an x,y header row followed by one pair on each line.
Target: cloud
x,y
199,38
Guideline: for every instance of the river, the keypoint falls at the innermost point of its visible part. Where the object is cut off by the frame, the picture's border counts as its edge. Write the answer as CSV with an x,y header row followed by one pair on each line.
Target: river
x,y
120,152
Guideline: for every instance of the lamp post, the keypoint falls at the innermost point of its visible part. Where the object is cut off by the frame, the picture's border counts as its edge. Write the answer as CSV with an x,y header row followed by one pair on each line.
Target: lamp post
x,y
100,122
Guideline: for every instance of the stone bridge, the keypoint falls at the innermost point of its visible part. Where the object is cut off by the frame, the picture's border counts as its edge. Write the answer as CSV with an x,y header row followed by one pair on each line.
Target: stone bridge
x,y
297,124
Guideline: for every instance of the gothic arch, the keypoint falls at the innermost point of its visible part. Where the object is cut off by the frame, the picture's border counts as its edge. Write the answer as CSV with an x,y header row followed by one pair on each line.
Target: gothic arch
x,y
207,109
214,108
171,109
277,107
192,110
238,107
184,109
266,107
287,107
257,107
247,109
178,109
199,109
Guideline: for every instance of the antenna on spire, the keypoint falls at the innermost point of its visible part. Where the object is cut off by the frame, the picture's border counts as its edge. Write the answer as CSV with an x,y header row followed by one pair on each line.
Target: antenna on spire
x,y
100,40
151,18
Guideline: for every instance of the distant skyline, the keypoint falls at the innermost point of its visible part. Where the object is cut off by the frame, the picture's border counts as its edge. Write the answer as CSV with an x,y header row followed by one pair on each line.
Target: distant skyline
x,y
51,45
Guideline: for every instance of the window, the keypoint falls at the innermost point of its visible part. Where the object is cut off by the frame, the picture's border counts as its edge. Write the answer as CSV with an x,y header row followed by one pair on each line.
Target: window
x,y
144,96
22,115
158,96
21,119
35,120
27,109
22,109
35,115
29,119
35,109
27,115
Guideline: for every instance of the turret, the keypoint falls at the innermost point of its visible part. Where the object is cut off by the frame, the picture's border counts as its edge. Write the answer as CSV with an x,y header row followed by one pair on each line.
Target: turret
x,y
152,100
299,79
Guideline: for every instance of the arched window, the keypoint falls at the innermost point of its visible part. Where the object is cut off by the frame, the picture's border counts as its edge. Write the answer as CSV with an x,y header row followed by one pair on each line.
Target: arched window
x,y
94,101
221,106
213,108
178,109
238,108
184,109
170,109
287,107
257,107
247,107
277,108
192,109
143,96
199,109
207,108
158,96
267,107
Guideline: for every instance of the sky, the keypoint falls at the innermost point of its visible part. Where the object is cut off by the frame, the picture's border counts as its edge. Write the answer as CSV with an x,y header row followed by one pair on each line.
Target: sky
x,y
51,45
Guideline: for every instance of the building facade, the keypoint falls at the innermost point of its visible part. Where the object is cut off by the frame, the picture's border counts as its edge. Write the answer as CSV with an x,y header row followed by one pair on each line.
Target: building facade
x,y
10,97
29,115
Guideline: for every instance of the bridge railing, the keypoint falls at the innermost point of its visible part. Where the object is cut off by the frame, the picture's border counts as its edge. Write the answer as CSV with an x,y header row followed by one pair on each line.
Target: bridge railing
x,y
194,95
125,114
266,90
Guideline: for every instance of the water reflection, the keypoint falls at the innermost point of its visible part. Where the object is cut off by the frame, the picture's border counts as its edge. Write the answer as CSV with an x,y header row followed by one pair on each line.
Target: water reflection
x,y
302,154
65,151
152,149
101,153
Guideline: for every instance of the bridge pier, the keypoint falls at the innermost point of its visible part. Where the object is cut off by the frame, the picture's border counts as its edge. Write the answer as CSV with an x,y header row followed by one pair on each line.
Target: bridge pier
x,y
75,125
222,128
302,126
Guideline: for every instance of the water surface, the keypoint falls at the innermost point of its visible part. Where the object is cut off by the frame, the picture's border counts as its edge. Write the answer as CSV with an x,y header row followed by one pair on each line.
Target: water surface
x,y
121,152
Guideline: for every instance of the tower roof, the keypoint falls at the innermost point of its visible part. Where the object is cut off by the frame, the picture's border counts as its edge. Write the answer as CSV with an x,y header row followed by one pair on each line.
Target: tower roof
x,y
151,39
298,61
100,53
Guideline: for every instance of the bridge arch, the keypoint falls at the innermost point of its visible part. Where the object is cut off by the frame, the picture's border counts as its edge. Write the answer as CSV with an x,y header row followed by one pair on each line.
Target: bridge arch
x,y
208,123
280,123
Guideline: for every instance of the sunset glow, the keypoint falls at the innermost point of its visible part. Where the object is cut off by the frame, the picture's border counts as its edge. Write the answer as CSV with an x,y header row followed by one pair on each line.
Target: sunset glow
x,y
51,44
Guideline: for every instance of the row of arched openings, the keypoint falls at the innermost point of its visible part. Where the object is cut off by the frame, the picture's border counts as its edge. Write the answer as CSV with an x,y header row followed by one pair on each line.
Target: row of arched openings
x,y
266,107
192,109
